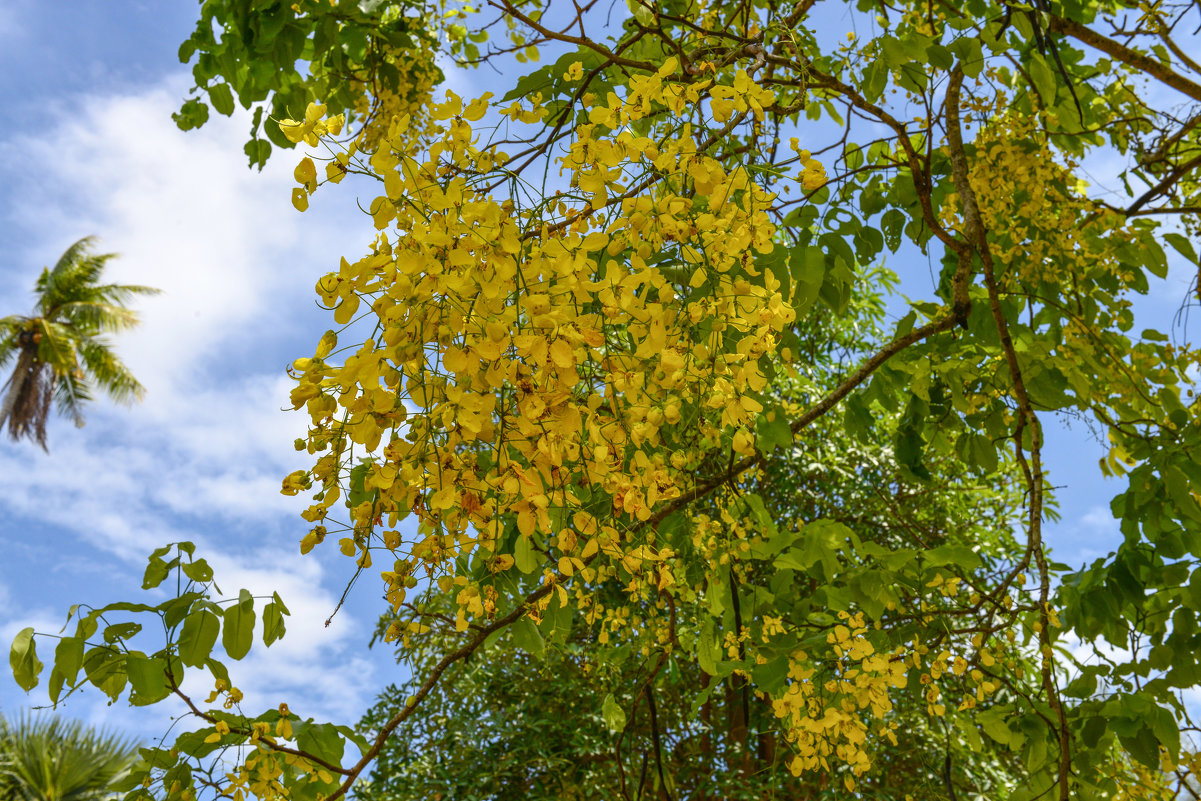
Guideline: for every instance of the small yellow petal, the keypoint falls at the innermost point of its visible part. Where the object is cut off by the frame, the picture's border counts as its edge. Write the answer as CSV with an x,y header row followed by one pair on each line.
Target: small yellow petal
x,y
292,129
477,108
305,171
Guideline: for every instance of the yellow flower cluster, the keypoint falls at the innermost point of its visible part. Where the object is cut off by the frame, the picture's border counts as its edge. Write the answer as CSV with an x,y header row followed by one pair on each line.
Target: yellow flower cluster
x,y
312,127
828,722
541,381
524,354
378,106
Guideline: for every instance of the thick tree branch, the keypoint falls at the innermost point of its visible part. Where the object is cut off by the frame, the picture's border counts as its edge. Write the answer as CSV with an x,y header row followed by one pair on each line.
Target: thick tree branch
x,y
1128,56
1032,468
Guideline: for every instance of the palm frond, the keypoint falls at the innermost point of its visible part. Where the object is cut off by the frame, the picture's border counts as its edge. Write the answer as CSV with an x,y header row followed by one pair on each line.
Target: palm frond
x,y
97,317
109,372
121,293
116,294
75,277
49,759
71,392
10,331
57,345
66,271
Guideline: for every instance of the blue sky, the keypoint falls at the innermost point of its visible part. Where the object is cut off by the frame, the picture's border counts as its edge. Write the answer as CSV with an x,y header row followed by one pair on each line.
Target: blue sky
x,y
89,148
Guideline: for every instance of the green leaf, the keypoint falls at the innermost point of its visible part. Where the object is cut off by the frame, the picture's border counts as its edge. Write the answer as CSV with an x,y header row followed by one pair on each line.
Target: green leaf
x,y
218,669
198,571
147,678
1167,732
613,713
891,225
237,630
874,80
280,603
971,57
186,50
157,571
68,658
322,740
994,725
258,151
959,555
537,81
527,637
1143,745
524,554
359,741
105,668
808,266
54,687
939,56
766,523
121,631
820,541
176,609
1182,245
273,623
24,660
771,676
199,635
772,430
556,621
191,115
1093,730
1042,77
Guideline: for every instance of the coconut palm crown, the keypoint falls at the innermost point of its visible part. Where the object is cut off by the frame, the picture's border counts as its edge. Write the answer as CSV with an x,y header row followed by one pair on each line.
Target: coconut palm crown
x,y
51,759
61,352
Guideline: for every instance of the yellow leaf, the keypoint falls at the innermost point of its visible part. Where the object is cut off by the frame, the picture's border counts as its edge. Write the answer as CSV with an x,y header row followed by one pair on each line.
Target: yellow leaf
x,y
314,112
292,129
451,108
456,360
300,199
346,309
328,340
305,171
476,108
561,353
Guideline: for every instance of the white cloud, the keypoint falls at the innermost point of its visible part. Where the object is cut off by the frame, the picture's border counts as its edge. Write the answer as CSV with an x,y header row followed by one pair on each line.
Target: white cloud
x,y
1100,523
203,456
187,216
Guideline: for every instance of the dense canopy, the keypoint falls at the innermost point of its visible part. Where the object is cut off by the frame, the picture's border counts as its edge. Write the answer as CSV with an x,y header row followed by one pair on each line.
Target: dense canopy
x,y
662,501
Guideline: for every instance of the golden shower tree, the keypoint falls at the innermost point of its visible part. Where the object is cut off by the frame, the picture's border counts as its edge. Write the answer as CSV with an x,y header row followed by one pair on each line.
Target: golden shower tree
x,y
609,322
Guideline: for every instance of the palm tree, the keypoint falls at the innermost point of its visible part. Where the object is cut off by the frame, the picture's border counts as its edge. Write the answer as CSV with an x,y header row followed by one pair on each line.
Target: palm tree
x,y
60,350
50,759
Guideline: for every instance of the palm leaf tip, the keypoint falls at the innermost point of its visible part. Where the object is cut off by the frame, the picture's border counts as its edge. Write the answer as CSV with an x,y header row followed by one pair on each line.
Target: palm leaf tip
x,y
50,759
